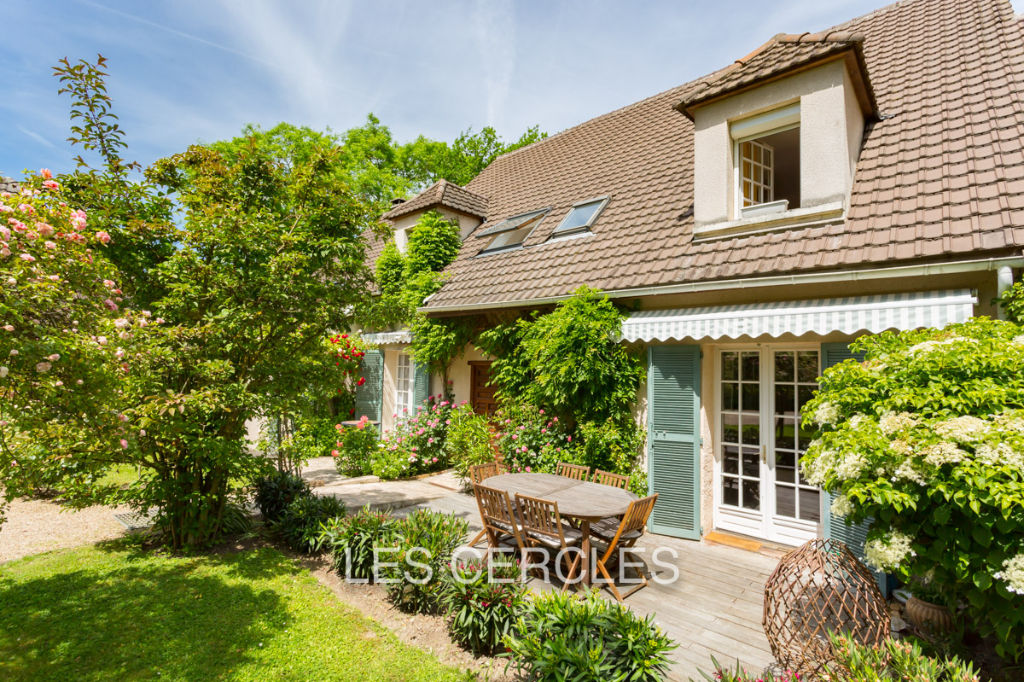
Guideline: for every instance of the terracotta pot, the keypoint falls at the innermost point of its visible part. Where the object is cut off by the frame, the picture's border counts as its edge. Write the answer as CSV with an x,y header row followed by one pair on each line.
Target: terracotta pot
x,y
927,616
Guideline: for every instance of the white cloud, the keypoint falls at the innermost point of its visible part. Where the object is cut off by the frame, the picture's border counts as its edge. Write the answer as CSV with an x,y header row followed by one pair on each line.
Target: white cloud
x,y
494,30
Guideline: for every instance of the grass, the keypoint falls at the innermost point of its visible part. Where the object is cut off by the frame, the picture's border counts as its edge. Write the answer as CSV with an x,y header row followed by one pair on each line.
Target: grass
x,y
113,612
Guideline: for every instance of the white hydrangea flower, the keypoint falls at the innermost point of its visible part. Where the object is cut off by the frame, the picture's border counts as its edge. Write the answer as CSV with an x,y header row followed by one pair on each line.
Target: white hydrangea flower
x,y
906,471
1019,340
1010,422
926,346
886,554
851,466
817,469
943,452
900,447
842,506
857,420
965,429
826,414
892,423
1012,574
1002,454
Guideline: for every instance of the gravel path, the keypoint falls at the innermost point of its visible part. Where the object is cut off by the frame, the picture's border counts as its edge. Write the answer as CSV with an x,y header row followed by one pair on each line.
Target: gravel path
x,y
35,526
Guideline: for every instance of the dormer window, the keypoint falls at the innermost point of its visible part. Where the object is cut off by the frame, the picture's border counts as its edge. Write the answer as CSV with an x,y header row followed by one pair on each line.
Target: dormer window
x,y
511,233
767,162
580,217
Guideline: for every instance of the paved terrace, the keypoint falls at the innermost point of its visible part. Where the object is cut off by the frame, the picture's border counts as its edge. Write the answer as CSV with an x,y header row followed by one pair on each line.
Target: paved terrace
x,y
714,608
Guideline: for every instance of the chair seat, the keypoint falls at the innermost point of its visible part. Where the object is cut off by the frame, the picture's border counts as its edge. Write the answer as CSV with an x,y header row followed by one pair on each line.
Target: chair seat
x,y
606,529
572,537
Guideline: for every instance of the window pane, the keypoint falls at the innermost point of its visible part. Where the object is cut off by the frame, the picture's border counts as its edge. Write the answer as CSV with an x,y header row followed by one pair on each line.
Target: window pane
x,y
784,367
785,432
730,491
751,397
579,216
730,428
785,399
810,509
751,463
805,393
808,366
751,494
730,396
731,459
730,366
785,501
751,367
751,433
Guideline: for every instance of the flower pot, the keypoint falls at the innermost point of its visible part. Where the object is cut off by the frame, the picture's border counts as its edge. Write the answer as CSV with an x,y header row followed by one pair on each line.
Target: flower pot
x,y
927,616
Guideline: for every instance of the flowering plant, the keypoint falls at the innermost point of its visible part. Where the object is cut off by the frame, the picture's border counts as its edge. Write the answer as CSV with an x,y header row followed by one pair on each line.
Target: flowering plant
x,y
926,437
482,602
531,440
355,445
416,444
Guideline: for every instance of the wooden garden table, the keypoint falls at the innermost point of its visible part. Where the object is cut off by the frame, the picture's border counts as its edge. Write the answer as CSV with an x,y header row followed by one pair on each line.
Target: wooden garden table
x,y
581,500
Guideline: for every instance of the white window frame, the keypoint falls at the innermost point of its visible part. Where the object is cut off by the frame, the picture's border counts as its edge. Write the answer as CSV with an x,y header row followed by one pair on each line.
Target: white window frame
x,y
750,130
405,384
560,231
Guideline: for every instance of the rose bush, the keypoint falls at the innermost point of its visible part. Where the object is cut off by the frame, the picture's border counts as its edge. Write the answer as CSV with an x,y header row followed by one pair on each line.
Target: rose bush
x,y
416,444
926,437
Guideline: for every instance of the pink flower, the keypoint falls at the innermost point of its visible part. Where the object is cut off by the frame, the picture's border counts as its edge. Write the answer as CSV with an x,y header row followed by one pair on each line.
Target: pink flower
x,y
542,411
515,436
110,304
18,226
54,357
527,469
108,283
50,245
9,327
124,444
103,236
523,449
26,208
43,367
4,208
27,258
434,460
5,233
334,453
78,219
569,438
45,229
58,383
122,417
45,173
51,184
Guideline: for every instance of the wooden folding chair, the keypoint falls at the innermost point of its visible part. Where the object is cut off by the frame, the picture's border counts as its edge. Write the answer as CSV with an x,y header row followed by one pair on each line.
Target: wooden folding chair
x,y
573,471
621,536
498,517
543,528
608,478
477,474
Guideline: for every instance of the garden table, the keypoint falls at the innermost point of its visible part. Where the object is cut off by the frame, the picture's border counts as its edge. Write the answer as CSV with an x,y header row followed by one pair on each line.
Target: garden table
x,y
580,500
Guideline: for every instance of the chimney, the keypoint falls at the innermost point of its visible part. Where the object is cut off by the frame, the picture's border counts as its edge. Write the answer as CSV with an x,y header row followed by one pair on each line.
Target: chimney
x,y
396,201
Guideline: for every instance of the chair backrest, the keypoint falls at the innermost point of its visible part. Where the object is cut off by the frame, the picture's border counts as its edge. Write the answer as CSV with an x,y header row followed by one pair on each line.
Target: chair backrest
x,y
608,478
573,471
635,519
479,472
540,516
496,511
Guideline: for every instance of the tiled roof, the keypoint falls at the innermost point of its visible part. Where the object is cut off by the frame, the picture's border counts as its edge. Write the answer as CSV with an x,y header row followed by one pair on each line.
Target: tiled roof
x,y
442,193
780,55
940,177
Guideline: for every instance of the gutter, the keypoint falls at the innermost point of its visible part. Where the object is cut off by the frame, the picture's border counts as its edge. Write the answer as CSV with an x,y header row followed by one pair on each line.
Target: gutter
x,y
925,270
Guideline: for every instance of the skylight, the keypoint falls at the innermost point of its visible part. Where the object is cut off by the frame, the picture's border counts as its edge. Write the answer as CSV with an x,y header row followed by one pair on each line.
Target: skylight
x,y
581,217
512,232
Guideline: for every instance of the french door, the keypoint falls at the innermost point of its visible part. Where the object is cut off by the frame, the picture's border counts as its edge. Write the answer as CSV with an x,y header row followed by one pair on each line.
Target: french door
x,y
758,487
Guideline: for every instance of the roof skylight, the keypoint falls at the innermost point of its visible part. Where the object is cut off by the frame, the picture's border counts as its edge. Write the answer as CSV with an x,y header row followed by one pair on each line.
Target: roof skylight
x,y
581,217
510,233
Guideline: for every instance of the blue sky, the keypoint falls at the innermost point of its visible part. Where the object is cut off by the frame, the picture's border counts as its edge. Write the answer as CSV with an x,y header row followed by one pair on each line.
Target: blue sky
x,y
198,70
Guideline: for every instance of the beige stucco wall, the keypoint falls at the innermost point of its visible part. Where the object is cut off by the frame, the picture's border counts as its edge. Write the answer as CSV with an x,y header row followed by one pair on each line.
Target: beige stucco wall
x,y
460,373
402,225
831,127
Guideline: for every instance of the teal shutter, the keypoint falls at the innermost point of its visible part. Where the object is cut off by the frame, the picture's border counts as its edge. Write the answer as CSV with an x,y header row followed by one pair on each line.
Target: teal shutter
x,y
836,527
369,396
673,439
421,385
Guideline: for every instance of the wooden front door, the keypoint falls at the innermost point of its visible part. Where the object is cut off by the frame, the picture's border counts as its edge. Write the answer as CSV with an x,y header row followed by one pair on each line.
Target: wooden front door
x,y
481,393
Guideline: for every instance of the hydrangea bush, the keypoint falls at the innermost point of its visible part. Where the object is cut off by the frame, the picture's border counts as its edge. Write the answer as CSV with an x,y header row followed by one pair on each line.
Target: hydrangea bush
x,y
926,437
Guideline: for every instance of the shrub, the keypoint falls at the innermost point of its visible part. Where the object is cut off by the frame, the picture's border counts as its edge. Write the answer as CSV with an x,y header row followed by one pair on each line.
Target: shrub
x,y
423,549
434,242
356,446
610,446
276,491
416,444
351,541
561,636
300,524
482,606
925,437
893,660
740,674
469,441
532,440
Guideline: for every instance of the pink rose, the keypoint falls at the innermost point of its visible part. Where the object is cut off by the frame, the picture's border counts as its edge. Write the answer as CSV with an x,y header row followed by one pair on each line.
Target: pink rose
x,y
51,184
27,258
103,236
49,245
124,444
527,469
45,173
45,229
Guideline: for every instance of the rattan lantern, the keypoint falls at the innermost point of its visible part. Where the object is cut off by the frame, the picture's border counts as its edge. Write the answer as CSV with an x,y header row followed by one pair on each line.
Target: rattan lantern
x,y
816,589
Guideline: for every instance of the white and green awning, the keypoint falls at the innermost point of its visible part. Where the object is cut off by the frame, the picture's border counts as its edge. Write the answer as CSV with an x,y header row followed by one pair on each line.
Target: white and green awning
x,y
820,316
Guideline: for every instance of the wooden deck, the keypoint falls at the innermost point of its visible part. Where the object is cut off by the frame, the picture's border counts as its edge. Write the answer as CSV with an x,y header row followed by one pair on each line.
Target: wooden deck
x,y
714,608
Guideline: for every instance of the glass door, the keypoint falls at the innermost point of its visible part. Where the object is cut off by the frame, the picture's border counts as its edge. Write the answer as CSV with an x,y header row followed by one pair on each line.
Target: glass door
x,y
758,488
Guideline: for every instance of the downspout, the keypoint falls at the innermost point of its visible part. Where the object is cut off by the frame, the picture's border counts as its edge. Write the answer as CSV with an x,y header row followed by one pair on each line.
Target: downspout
x,y
1004,280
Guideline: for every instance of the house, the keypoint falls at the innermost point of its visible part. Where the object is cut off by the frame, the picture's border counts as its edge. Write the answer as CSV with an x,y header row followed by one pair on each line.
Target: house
x,y
755,221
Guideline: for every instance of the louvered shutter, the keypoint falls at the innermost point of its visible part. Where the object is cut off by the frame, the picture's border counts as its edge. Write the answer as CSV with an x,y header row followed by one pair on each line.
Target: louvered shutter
x,y
673,443
370,395
421,385
835,526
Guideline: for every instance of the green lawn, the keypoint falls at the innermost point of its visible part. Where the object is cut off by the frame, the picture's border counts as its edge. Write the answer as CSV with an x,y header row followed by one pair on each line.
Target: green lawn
x,y
111,612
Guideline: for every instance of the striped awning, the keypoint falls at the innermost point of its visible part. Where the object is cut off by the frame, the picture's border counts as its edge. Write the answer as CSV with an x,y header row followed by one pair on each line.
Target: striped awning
x,y
821,316
387,338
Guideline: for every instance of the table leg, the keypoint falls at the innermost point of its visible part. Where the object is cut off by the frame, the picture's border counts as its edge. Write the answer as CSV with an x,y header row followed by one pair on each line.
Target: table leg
x,y
585,546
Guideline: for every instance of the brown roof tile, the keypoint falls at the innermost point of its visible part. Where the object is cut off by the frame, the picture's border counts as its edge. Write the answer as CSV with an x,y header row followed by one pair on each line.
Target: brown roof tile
x,y
442,193
942,171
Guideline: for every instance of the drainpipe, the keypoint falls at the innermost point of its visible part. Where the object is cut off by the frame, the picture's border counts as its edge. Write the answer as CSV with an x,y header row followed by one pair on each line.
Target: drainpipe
x,y
1004,280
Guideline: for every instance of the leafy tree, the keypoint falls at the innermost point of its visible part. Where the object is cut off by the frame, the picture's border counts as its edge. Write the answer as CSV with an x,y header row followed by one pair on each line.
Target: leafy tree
x,y
469,153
